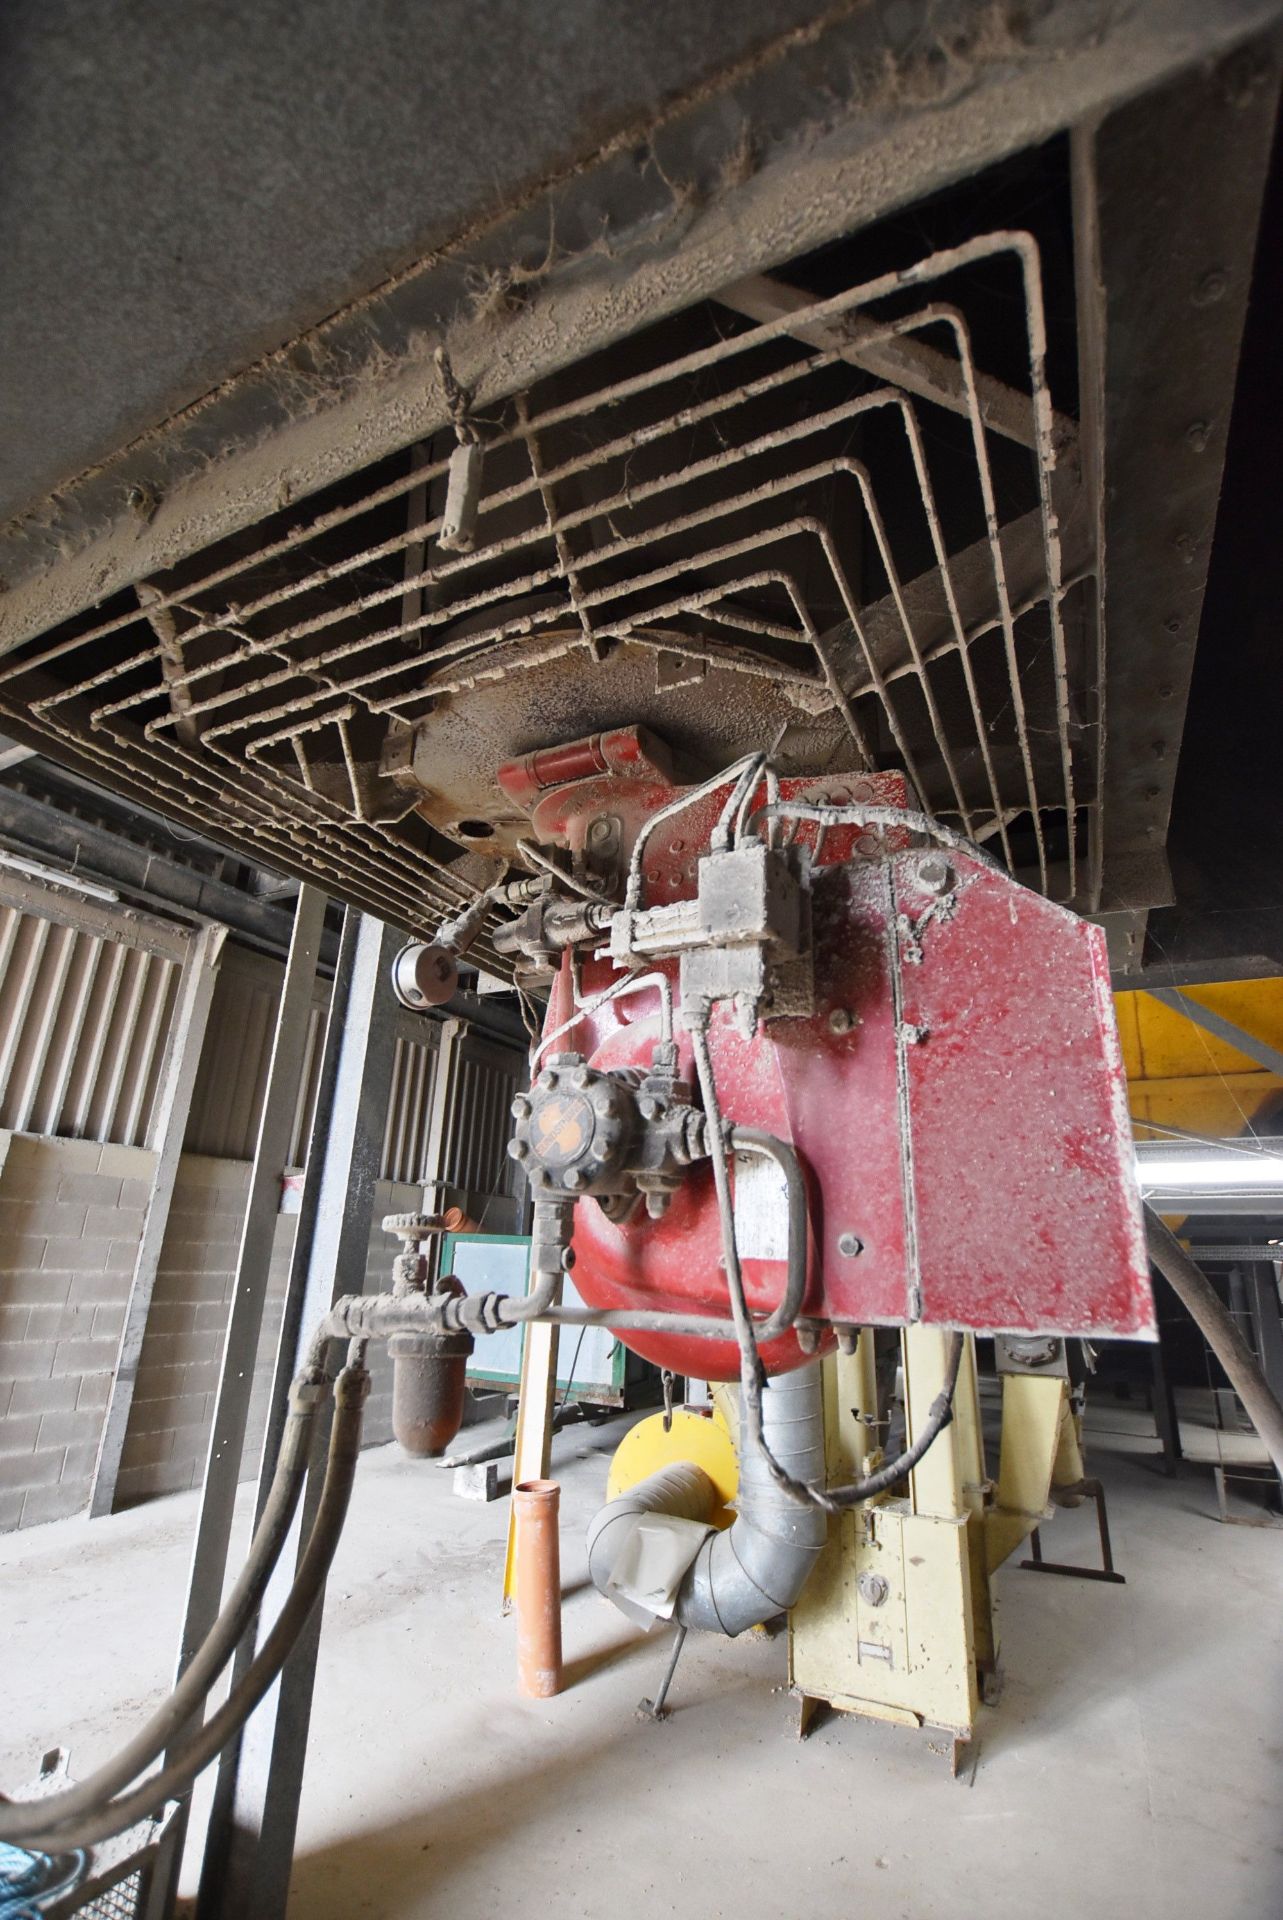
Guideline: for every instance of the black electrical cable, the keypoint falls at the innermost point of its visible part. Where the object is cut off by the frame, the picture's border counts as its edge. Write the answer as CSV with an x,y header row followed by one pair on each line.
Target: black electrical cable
x,y
210,1658
176,1776
833,1499
570,1377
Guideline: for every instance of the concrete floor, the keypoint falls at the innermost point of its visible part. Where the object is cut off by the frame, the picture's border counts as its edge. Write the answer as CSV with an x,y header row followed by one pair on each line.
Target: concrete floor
x,y
1133,1767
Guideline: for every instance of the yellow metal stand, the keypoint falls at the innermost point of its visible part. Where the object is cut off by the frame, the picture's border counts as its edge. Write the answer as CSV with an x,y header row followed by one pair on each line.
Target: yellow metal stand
x,y
885,1625
898,1622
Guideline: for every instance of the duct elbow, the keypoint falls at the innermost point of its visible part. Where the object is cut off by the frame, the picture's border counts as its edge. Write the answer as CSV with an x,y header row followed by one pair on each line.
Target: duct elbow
x,y
758,1567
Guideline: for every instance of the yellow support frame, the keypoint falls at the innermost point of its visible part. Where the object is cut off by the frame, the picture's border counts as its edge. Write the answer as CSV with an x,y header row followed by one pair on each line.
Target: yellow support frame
x,y
899,1622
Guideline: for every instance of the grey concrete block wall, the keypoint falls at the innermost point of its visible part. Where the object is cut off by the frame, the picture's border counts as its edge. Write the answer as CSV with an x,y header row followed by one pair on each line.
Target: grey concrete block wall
x,y
178,1368
178,1372
71,1213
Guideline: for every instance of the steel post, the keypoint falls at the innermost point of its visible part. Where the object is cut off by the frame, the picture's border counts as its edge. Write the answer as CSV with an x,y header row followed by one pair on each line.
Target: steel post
x,y
245,1319
250,1843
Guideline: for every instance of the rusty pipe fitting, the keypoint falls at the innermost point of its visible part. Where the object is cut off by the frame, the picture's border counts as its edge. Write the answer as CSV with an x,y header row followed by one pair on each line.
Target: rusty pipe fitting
x,y
429,1368
535,1508
429,1382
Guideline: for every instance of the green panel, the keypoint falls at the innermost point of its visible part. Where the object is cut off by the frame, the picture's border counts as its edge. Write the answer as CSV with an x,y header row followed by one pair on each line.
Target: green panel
x,y
500,1262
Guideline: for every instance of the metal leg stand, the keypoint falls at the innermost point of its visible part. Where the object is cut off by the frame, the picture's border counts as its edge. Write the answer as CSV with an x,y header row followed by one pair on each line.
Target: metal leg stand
x,y
655,1709
1106,1571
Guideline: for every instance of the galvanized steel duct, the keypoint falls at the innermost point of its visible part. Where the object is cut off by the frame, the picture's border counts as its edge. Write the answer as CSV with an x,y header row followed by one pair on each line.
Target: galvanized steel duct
x,y
759,1565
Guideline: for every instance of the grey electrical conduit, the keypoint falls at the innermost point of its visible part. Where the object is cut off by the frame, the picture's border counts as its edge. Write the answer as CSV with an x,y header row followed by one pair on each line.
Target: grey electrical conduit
x,y
1197,1294
215,1650
177,1775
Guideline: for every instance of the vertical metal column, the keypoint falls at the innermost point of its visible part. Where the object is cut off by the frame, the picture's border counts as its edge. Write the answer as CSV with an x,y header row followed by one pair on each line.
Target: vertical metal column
x,y
441,1112
245,1318
249,1848
182,1057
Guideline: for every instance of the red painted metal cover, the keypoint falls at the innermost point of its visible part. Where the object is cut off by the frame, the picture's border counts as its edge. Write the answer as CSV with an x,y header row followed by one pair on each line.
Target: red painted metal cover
x,y
957,1098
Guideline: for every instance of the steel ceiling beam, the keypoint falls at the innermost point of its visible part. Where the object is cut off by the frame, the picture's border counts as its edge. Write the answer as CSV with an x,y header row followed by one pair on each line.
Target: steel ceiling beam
x,y
1164,268
912,364
35,826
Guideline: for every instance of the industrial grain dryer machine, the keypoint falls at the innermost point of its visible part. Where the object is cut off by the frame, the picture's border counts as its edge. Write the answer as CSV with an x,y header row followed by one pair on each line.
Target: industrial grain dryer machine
x,y
734,694
813,1064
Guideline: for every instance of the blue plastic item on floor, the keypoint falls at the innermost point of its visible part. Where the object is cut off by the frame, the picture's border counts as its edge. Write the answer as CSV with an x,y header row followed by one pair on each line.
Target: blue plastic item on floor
x,y
29,1880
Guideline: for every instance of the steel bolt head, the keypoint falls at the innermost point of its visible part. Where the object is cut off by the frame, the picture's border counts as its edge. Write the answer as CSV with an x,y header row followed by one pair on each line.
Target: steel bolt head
x,y
935,875
874,1588
581,1078
548,1078
842,1020
520,1108
648,1107
572,1177
518,1149
850,1246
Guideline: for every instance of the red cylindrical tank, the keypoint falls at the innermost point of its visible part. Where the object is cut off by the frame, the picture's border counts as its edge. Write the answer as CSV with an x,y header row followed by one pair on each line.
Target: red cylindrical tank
x,y
676,1262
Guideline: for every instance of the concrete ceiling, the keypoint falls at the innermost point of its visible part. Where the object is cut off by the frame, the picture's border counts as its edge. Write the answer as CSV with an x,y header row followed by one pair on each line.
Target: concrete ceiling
x,y
183,188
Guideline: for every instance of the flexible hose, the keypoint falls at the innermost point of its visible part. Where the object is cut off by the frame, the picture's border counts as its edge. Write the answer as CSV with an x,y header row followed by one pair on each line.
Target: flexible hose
x,y
214,1651
174,1779
750,1140
1197,1294
873,816
632,895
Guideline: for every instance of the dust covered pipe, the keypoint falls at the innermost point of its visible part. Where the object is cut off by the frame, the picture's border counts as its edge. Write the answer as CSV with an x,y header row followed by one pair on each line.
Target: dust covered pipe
x,y
760,1564
1200,1299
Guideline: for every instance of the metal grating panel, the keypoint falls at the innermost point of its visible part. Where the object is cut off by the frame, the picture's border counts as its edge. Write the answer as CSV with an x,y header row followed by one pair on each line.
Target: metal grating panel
x,y
83,1026
121,1902
476,1141
228,1097
405,1138
833,523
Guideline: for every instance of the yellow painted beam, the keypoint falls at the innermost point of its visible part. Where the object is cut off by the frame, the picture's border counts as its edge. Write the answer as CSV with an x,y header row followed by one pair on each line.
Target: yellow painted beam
x,y
1160,1043
1181,1076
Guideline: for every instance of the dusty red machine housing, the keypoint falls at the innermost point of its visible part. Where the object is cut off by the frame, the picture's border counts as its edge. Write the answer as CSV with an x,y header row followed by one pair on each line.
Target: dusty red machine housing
x,y
957,1097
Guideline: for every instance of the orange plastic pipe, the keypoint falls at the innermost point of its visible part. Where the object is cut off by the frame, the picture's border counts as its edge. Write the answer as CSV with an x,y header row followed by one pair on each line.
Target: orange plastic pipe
x,y
535,1506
